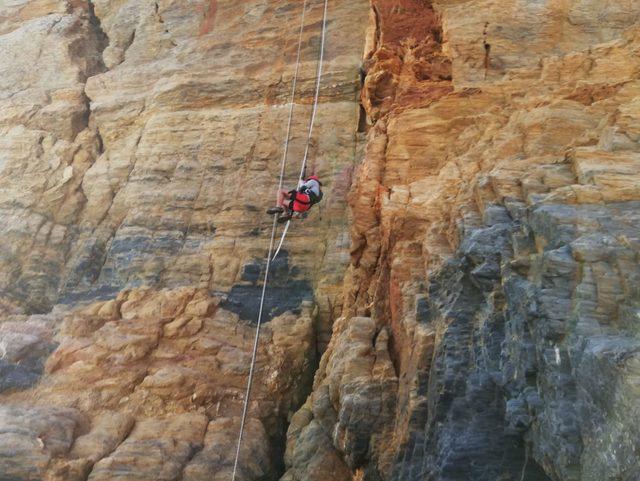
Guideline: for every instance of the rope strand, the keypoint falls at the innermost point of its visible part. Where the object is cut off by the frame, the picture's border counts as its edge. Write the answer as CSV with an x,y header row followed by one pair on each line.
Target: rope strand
x,y
254,354
293,97
317,94
303,168
283,162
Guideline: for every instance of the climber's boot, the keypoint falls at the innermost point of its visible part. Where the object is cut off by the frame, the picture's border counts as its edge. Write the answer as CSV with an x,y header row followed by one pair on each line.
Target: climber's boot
x,y
275,210
284,218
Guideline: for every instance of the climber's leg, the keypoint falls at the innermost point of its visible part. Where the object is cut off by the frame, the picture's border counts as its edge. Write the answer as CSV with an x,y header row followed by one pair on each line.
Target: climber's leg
x,y
283,203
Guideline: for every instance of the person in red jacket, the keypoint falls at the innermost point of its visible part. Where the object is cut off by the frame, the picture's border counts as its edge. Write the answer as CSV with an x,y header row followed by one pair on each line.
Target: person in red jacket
x,y
298,201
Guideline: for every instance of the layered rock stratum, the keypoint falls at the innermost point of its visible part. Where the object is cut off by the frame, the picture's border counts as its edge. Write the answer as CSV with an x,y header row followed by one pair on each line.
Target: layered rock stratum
x,y
462,306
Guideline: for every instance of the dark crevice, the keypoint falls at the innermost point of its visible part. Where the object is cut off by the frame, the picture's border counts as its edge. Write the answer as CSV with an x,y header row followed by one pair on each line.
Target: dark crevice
x,y
100,141
378,32
487,60
195,450
112,451
101,36
161,21
363,125
487,50
129,43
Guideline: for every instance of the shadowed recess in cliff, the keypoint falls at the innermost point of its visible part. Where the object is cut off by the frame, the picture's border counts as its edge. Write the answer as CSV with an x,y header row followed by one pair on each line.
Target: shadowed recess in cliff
x,y
286,291
24,370
406,67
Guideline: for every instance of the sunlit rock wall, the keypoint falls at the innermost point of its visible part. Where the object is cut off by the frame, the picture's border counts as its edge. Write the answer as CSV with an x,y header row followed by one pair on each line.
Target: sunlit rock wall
x,y
476,253
491,308
140,144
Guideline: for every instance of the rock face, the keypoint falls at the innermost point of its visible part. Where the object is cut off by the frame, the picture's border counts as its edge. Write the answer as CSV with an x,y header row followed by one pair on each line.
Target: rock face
x,y
150,386
145,146
462,306
140,143
494,243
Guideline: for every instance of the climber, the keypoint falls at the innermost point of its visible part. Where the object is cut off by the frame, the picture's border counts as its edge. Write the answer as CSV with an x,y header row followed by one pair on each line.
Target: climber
x,y
298,201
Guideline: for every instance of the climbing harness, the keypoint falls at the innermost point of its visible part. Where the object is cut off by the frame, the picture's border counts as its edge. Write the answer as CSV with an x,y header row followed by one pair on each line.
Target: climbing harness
x,y
254,354
300,201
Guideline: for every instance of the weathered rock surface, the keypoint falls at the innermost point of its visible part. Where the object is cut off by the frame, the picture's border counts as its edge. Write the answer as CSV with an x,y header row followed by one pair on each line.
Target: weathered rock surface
x,y
495,241
363,384
140,143
486,325
145,146
150,386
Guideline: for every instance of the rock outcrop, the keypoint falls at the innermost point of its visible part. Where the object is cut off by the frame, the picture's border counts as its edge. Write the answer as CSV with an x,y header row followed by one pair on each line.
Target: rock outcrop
x,y
150,386
462,306
494,243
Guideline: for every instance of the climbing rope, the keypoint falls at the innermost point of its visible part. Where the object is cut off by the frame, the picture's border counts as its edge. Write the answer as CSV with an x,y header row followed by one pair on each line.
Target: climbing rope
x,y
291,102
255,351
303,169
254,354
283,162
317,94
